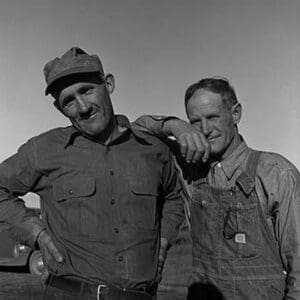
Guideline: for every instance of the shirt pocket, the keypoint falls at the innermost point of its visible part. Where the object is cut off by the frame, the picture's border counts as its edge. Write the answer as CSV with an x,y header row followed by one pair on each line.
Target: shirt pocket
x,y
76,202
143,204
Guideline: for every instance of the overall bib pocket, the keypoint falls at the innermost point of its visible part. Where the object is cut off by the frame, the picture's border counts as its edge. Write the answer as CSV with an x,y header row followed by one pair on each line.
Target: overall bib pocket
x,y
241,231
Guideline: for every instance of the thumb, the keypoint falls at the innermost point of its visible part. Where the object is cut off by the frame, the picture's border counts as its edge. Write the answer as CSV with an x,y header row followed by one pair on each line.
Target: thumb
x,y
44,277
48,248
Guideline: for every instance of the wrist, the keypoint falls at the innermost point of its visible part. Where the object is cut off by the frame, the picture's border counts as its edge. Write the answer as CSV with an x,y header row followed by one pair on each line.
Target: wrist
x,y
169,125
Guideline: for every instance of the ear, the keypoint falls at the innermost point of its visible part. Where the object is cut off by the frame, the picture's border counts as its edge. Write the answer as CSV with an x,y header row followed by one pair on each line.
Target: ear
x,y
236,112
110,82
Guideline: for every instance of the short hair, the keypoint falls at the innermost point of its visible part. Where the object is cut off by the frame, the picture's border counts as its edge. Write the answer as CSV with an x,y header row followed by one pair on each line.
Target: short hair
x,y
218,85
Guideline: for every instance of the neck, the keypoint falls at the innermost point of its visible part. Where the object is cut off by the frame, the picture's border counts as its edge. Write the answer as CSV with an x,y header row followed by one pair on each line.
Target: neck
x,y
110,133
235,142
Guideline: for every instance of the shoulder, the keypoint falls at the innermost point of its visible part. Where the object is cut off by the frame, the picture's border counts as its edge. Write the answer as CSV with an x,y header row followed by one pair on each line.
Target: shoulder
x,y
150,139
274,162
51,138
276,175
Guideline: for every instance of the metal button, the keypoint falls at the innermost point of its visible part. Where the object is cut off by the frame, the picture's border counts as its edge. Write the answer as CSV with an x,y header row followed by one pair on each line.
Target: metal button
x,y
120,258
204,203
71,192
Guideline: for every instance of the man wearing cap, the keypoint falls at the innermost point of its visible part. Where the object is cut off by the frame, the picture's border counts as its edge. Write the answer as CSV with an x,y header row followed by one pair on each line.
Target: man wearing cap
x,y
109,194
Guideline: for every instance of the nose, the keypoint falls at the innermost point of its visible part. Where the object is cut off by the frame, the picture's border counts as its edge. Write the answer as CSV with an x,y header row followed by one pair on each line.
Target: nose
x,y
206,127
83,106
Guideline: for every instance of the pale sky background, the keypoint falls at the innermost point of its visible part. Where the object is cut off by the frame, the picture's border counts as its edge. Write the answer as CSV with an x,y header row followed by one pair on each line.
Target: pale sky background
x,y
156,49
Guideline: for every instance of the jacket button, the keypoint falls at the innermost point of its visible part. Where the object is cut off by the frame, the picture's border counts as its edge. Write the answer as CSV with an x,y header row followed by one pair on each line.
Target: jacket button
x,y
120,258
111,172
112,201
71,192
116,230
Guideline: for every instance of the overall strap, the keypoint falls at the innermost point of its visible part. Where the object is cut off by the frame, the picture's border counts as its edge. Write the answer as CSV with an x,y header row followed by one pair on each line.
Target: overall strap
x,y
246,181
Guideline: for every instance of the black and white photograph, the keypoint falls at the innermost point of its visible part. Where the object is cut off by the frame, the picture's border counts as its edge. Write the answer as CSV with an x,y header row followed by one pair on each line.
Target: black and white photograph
x,y
150,150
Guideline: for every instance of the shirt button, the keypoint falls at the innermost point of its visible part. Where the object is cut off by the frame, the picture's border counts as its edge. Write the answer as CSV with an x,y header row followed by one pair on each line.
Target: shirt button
x,y
112,201
204,203
116,230
111,172
120,258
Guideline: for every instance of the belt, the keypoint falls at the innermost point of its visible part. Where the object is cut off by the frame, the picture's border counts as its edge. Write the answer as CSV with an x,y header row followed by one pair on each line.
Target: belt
x,y
102,290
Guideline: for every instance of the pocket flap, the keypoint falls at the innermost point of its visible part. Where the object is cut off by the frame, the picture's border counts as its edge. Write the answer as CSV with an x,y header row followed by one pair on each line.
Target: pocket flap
x,y
74,188
142,186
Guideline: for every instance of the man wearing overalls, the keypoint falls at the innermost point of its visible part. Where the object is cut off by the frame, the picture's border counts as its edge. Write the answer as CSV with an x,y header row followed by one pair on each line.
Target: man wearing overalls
x,y
244,204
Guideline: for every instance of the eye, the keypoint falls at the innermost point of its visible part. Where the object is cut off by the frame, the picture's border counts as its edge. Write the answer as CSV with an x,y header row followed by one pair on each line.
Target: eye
x,y
67,101
212,117
196,123
86,90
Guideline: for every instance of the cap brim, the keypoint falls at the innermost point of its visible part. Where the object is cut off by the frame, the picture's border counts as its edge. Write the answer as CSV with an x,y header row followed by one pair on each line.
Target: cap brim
x,y
78,70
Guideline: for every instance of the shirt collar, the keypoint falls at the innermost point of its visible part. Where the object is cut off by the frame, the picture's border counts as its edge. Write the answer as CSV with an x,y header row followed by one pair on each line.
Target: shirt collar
x,y
72,132
234,160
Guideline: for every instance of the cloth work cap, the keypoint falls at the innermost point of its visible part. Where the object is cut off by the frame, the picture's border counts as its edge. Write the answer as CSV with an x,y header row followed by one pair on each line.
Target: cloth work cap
x,y
74,61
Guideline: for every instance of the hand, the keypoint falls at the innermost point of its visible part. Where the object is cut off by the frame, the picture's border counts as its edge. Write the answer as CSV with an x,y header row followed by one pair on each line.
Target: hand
x,y
193,144
49,252
164,246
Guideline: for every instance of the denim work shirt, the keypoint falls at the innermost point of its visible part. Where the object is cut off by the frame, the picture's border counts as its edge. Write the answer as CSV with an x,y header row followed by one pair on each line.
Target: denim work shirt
x,y
105,206
277,185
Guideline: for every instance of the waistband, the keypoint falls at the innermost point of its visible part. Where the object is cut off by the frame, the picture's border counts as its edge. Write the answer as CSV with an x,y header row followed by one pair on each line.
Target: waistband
x,y
101,290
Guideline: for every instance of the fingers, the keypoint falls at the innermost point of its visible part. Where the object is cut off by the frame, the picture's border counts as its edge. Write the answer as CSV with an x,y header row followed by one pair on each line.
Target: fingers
x,y
194,146
207,148
49,250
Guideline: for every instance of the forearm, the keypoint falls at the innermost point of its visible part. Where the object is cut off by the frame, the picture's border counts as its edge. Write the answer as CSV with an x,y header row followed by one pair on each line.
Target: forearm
x,y
18,175
24,225
156,125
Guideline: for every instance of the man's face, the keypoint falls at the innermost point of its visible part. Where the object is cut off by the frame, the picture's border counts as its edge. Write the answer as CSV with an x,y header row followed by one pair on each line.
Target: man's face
x,y
208,113
88,106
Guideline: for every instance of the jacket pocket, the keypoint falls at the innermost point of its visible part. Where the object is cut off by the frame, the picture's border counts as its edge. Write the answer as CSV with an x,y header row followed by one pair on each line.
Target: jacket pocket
x,y
75,200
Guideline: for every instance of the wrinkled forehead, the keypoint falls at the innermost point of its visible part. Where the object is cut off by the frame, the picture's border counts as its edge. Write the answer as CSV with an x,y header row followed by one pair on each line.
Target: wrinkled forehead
x,y
203,103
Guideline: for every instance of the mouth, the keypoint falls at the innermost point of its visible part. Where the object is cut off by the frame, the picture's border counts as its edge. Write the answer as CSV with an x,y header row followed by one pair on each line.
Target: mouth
x,y
212,139
89,117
